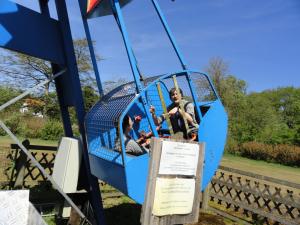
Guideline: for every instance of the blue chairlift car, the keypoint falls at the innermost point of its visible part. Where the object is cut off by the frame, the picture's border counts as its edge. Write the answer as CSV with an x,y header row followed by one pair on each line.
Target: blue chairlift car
x,y
108,158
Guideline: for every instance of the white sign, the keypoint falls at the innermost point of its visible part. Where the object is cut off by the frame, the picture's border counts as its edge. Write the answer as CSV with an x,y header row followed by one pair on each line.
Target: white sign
x,y
173,196
179,158
14,207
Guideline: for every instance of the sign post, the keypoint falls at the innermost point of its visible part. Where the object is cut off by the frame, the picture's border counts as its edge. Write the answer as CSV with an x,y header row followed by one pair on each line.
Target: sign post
x,y
173,188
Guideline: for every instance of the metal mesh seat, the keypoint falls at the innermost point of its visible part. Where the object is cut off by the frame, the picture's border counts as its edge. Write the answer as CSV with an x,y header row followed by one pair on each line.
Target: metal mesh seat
x,y
102,121
101,124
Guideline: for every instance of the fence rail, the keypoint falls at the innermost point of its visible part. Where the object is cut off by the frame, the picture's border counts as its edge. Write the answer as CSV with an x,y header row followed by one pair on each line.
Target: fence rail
x,y
24,174
272,201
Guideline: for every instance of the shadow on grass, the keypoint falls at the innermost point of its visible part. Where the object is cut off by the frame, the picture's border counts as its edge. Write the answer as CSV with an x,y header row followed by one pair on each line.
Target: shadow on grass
x,y
123,214
129,214
209,219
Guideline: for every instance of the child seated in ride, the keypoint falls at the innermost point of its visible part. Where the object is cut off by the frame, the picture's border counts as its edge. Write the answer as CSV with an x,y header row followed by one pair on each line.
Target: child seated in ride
x,y
176,115
133,147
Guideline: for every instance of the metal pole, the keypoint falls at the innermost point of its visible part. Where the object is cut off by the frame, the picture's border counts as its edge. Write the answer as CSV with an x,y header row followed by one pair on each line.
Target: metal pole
x,y
65,115
92,182
119,19
12,101
135,60
91,48
170,35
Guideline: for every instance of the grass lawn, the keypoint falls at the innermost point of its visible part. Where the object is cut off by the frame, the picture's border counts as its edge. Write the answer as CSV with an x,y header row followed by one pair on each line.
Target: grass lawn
x,y
6,141
275,170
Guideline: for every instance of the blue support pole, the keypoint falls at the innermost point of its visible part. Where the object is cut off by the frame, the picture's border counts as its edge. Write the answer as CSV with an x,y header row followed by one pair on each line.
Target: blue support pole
x,y
92,182
58,82
135,61
120,21
170,35
178,53
65,115
90,44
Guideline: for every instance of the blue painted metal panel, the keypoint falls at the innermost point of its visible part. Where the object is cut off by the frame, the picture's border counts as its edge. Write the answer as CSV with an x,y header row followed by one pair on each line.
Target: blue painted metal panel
x,y
137,174
24,30
111,173
213,131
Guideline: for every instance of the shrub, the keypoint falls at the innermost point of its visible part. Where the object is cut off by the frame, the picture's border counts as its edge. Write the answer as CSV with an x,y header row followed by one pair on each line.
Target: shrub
x,y
15,122
52,130
34,126
287,154
283,154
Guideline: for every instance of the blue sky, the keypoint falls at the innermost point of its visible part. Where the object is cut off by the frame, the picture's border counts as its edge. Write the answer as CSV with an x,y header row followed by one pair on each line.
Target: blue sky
x,y
258,39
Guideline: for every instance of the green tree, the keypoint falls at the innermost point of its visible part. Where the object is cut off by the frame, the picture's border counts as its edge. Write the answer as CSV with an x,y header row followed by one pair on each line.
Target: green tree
x,y
232,92
90,97
6,94
217,69
260,118
234,100
28,71
51,108
286,102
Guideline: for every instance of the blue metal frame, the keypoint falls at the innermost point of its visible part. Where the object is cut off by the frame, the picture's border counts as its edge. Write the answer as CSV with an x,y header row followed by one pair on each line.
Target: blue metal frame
x,y
120,21
170,35
90,44
178,52
130,177
93,186
37,35
212,130
41,39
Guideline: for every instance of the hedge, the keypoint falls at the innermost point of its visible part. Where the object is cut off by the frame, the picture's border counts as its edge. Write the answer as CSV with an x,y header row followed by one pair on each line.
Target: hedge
x,y
284,154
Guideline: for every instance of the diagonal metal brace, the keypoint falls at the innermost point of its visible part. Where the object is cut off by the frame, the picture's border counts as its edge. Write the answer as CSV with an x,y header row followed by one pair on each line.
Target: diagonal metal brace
x,y
12,101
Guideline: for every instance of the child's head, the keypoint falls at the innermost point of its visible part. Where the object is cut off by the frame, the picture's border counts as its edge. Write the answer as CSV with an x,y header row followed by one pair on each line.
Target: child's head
x,y
127,124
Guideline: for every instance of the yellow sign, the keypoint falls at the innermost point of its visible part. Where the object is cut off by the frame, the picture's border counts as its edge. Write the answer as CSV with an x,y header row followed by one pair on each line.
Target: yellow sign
x,y
173,196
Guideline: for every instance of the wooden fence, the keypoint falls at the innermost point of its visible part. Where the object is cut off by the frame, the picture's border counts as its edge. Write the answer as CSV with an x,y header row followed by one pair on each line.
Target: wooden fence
x,y
236,194
263,199
24,173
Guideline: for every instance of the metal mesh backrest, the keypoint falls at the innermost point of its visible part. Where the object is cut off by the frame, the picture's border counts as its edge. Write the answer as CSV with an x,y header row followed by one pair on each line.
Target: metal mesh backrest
x,y
203,88
101,123
127,89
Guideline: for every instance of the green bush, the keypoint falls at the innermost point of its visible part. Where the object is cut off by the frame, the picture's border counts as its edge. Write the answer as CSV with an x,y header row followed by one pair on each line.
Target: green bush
x,y
53,130
287,154
15,122
284,154
33,126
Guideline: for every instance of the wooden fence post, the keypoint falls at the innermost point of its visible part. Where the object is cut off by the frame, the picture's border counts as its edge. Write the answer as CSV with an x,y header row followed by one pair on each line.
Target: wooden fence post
x,y
205,198
21,166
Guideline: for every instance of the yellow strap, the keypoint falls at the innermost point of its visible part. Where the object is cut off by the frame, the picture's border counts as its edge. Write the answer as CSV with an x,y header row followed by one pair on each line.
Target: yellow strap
x,y
163,104
180,104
